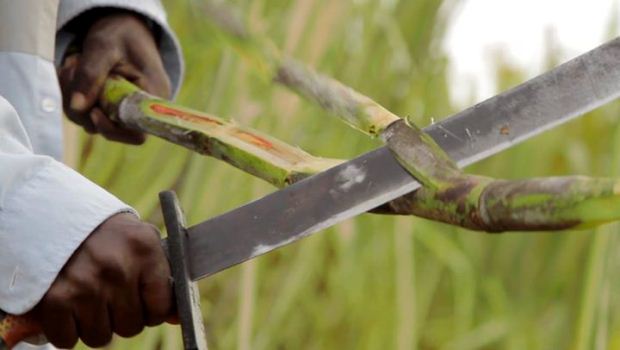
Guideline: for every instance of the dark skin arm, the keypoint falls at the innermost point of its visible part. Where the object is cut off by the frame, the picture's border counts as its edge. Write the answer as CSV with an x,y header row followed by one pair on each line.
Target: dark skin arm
x,y
118,281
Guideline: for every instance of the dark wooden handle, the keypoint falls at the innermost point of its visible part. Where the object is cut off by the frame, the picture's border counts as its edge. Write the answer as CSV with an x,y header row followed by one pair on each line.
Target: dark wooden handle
x,y
15,329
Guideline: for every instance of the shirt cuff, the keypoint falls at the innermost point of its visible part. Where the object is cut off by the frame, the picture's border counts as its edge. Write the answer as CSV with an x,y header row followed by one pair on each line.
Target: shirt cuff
x,y
43,221
169,47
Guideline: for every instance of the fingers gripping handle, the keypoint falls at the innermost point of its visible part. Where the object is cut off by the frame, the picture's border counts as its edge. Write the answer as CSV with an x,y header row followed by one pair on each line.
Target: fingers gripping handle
x,y
15,329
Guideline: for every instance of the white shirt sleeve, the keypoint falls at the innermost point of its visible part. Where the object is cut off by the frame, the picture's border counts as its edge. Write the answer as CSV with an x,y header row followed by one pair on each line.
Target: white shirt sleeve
x,y
169,47
46,209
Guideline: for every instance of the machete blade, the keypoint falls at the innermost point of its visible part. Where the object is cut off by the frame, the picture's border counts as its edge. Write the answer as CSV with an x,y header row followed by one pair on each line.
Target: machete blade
x,y
375,178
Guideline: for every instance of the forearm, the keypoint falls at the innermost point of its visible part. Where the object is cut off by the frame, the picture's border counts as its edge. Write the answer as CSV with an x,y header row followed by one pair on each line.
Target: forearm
x,y
46,209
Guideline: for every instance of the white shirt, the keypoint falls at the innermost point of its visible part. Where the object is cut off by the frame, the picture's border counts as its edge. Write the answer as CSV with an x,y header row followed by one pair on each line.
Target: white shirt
x,y
46,209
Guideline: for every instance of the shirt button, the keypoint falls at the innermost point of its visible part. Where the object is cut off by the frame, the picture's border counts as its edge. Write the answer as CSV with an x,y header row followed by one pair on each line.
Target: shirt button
x,y
48,105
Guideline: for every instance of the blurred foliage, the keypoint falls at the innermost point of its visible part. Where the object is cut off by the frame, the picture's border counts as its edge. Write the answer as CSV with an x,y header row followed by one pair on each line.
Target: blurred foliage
x,y
373,282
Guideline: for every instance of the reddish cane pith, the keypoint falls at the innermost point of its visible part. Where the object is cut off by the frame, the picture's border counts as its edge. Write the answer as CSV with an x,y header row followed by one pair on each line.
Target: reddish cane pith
x,y
255,140
184,115
246,136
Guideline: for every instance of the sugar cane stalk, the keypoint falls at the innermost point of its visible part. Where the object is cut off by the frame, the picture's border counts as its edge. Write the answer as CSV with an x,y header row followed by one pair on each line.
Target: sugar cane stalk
x,y
249,150
486,204
448,195
357,110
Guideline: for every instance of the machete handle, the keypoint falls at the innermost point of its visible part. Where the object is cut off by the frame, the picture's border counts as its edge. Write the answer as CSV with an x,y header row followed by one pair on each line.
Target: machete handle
x,y
15,329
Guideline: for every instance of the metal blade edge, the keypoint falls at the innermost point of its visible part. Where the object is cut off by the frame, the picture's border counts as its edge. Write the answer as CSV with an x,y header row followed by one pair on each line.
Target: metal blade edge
x,y
288,215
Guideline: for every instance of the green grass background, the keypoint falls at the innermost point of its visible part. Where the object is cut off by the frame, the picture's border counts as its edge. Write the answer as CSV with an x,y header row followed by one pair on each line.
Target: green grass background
x,y
373,282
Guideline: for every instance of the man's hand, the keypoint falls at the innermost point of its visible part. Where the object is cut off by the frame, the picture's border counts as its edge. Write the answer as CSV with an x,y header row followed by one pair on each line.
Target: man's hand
x,y
118,281
116,44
